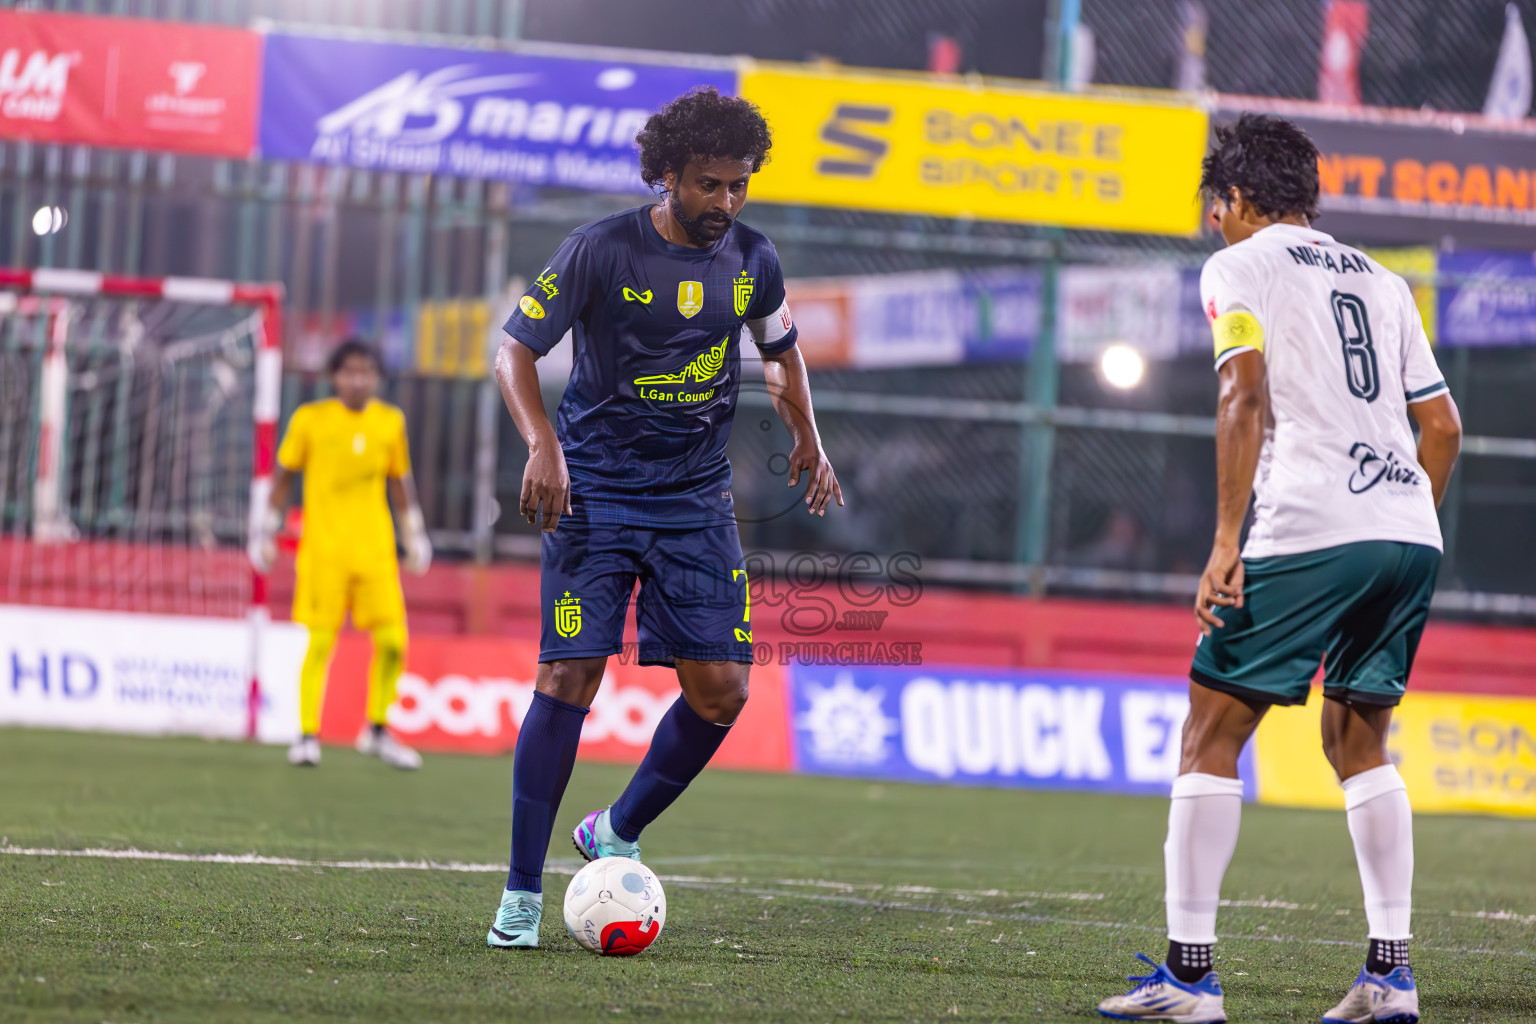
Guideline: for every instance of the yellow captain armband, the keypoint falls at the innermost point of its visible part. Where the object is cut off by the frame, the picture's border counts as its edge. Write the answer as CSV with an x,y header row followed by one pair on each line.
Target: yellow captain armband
x,y
1238,329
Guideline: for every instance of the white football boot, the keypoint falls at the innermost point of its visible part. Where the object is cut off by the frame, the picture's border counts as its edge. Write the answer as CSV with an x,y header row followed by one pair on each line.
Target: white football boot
x,y
1390,998
386,748
305,752
1161,996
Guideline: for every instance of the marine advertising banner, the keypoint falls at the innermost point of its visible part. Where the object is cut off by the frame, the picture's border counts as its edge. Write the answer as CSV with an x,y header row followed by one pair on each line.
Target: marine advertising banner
x,y
1489,298
515,117
128,83
1031,728
909,144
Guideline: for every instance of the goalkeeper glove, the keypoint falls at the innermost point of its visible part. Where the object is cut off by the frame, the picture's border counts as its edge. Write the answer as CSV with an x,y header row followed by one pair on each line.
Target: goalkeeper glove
x,y
262,548
418,549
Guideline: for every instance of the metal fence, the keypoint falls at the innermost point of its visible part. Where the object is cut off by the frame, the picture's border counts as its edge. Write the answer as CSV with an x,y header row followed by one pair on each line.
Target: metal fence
x,y
1108,492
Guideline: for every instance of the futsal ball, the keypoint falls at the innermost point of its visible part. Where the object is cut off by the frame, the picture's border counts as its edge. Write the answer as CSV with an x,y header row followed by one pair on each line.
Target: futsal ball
x,y
615,907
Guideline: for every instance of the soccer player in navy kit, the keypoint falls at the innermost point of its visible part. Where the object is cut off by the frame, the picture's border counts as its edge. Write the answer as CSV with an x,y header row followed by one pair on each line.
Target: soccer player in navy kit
x,y
633,482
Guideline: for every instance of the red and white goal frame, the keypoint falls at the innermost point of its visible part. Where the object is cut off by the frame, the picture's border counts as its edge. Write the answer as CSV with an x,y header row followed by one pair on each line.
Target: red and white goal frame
x,y
46,284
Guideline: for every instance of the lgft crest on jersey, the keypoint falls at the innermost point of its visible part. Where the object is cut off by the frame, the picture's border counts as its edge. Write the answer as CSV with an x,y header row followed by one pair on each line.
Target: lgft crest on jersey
x,y
743,293
690,298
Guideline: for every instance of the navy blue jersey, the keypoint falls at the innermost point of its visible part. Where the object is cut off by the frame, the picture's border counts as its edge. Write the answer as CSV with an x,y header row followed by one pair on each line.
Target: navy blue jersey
x,y
657,329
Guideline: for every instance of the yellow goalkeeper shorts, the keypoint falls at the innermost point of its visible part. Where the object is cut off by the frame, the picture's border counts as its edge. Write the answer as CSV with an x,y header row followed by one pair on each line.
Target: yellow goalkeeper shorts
x,y
323,594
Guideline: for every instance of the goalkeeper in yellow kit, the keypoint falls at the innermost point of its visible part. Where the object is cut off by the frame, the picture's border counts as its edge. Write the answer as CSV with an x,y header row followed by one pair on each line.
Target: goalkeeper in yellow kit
x,y
351,449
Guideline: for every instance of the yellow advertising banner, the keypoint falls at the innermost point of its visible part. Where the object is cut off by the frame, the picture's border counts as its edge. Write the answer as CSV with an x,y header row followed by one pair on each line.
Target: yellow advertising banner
x,y
1418,266
451,337
1456,753
915,145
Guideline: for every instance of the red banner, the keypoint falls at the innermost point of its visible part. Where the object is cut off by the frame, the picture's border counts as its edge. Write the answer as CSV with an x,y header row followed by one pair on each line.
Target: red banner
x,y
128,83
468,694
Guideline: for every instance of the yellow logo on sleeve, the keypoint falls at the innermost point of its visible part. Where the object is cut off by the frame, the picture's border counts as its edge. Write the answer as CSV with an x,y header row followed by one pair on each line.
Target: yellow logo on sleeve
x,y
546,283
530,307
567,615
743,290
644,298
1237,329
690,298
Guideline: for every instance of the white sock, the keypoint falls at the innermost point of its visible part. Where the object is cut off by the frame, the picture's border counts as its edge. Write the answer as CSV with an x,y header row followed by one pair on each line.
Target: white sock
x,y
1381,824
1203,819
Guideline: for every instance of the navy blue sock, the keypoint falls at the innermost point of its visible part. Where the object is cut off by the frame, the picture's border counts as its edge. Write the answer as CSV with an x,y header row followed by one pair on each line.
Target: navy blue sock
x,y
681,747
541,766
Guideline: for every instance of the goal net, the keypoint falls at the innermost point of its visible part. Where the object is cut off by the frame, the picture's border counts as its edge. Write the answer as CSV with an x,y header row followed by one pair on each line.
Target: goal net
x,y
137,432
129,439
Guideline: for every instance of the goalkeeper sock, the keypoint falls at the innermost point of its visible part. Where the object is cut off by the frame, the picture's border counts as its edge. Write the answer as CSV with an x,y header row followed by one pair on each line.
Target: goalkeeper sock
x,y
384,671
681,747
317,662
541,766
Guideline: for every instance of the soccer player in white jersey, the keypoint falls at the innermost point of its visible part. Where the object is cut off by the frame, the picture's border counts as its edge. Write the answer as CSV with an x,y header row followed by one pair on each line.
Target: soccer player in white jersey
x,y
1322,358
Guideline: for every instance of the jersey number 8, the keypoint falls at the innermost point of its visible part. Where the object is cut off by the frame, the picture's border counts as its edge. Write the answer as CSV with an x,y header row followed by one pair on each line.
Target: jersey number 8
x,y
1359,354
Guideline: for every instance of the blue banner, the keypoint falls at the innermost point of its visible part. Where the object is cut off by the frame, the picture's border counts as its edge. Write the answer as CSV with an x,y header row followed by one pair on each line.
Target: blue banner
x,y
468,113
1004,318
1039,729
1490,300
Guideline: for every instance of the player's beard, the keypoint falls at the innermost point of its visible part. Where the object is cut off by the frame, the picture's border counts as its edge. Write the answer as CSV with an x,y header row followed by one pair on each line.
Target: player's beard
x,y
702,230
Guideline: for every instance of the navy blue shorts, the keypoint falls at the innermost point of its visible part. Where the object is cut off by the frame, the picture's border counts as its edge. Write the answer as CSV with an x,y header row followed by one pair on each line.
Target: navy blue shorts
x,y
693,592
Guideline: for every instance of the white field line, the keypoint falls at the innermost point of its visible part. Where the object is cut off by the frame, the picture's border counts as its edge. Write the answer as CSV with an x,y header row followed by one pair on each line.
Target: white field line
x,y
843,892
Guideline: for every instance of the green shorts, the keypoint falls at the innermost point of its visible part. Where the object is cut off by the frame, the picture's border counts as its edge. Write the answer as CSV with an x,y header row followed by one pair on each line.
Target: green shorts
x,y
1359,608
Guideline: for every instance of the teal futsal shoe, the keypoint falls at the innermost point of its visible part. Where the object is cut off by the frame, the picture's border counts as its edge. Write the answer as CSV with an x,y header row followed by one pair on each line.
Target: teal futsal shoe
x,y
595,840
517,920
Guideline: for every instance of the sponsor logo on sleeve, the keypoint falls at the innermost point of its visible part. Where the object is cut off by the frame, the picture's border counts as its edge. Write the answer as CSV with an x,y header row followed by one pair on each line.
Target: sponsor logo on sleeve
x,y
530,307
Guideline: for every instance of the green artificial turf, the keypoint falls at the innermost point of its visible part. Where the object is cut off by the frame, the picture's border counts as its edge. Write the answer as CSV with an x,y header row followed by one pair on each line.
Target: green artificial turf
x,y
790,898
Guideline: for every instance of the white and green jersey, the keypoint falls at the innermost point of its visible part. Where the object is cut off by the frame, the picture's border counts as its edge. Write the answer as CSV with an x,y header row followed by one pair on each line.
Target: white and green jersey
x,y
1346,354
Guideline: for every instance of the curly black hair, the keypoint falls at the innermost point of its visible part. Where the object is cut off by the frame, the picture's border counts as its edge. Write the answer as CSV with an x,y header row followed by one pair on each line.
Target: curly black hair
x,y
702,125
346,350
1271,161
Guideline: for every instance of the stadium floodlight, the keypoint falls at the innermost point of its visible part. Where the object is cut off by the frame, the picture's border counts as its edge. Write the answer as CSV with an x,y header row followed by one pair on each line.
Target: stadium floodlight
x,y
49,220
1122,366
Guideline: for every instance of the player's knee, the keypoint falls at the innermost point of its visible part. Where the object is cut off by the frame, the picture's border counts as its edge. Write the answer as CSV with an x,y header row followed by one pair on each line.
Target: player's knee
x,y
723,702
321,643
573,680
389,645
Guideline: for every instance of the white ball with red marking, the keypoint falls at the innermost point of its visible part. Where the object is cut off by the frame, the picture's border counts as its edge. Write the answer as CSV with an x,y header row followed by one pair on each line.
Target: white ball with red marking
x,y
615,907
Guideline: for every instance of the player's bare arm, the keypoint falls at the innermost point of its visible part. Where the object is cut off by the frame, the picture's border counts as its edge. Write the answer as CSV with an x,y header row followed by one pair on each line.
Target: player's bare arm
x,y
546,481
790,388
1240,414
1439,440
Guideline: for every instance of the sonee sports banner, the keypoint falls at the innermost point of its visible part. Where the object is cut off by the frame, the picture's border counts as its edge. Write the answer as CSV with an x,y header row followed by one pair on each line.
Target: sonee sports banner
x,y
909,144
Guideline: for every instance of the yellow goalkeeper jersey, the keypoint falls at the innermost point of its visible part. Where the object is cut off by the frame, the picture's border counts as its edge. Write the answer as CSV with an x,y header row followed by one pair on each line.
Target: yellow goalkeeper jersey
x,y
345,456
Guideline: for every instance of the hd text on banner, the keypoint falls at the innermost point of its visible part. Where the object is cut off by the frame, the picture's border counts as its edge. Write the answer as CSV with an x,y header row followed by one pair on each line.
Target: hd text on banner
x,y
1029,728
911,145
469,113
128,83
63,668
